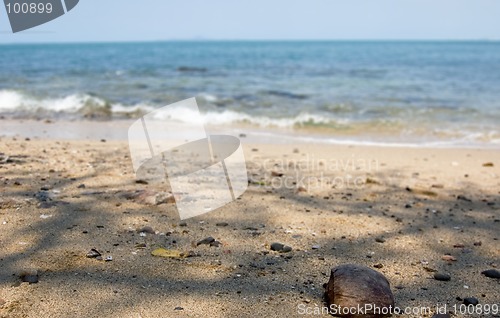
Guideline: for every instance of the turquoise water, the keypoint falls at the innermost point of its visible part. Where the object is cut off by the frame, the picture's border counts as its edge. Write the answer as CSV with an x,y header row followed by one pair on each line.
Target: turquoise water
x,y
403,90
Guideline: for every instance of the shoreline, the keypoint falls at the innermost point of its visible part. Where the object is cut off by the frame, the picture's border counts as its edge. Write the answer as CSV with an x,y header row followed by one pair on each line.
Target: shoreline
x,y
52,129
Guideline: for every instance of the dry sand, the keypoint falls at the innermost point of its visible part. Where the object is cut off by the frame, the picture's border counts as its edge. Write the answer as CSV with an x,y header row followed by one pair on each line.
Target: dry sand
x,y
424,203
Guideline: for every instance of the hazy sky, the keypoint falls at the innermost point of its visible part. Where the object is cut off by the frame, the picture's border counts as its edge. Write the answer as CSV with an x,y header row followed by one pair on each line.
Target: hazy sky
x,y
145,20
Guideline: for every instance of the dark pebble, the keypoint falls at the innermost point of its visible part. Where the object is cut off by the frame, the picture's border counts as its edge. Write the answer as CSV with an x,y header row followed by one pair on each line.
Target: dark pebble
x,y
471,301
183,224
141,181
463,198
442,277
81,186
222,224
280,248
30,276
380,240
378,265
207,241
491,273
93,253
215,244
178,308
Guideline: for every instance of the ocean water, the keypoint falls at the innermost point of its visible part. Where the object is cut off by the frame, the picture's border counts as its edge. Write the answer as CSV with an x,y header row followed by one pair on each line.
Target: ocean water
x,y
444,92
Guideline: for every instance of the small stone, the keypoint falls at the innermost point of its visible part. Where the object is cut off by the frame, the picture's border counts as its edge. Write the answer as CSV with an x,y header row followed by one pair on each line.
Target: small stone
x,y
178,308
141,181
354,286
222,224
108,258
183,223
491,273
93,253
279,247
488,164
479,243
448,258
146,229
471,301
442,277
29,276
215,243
380,240
81,186
316,247
378,265
463,198
206,241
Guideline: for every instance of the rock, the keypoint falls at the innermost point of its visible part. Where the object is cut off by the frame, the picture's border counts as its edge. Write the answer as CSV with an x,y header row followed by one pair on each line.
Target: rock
x,y
488,164
277,174
81,186
278,247
146,229
178,308
448,258
380,240
29,276
206,241
93,253
378,265
141,181
354,285
491,273
471,301
463,198
215,244
183,223
316,247
442,277
221,224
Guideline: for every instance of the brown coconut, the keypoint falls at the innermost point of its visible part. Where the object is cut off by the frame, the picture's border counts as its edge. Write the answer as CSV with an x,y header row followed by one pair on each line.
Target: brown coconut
x,y
353,286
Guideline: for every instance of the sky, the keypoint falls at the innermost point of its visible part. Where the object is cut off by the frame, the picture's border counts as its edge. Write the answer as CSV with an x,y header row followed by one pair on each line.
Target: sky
x,y
152,20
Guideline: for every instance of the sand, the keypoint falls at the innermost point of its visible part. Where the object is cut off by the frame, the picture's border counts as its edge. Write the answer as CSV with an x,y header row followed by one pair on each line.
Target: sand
x,y
401,209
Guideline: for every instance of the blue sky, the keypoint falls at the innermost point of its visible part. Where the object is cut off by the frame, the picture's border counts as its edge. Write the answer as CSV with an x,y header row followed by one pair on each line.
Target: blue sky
x,y
149,20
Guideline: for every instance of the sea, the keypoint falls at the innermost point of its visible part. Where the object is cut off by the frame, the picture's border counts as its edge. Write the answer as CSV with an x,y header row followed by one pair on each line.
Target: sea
x,y
391,92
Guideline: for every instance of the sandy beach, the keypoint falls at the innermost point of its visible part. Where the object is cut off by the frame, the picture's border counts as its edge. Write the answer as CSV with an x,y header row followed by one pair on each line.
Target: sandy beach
x,y
407,212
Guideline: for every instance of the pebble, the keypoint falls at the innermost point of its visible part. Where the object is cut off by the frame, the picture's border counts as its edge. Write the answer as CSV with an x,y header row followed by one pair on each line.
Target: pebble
x,y
221,224
146,229
491,273
471,301
206,241
108,258
380,240
378,265
279,247
93,253
316,247
29,276
178,308
448,258
463,198
442,277
354,285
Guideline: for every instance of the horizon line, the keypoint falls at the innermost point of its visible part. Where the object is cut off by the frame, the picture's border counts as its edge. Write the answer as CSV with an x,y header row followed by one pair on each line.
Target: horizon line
x,y
245,40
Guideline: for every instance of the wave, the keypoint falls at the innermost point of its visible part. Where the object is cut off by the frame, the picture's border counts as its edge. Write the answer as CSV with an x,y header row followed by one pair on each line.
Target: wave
x,y
339,122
